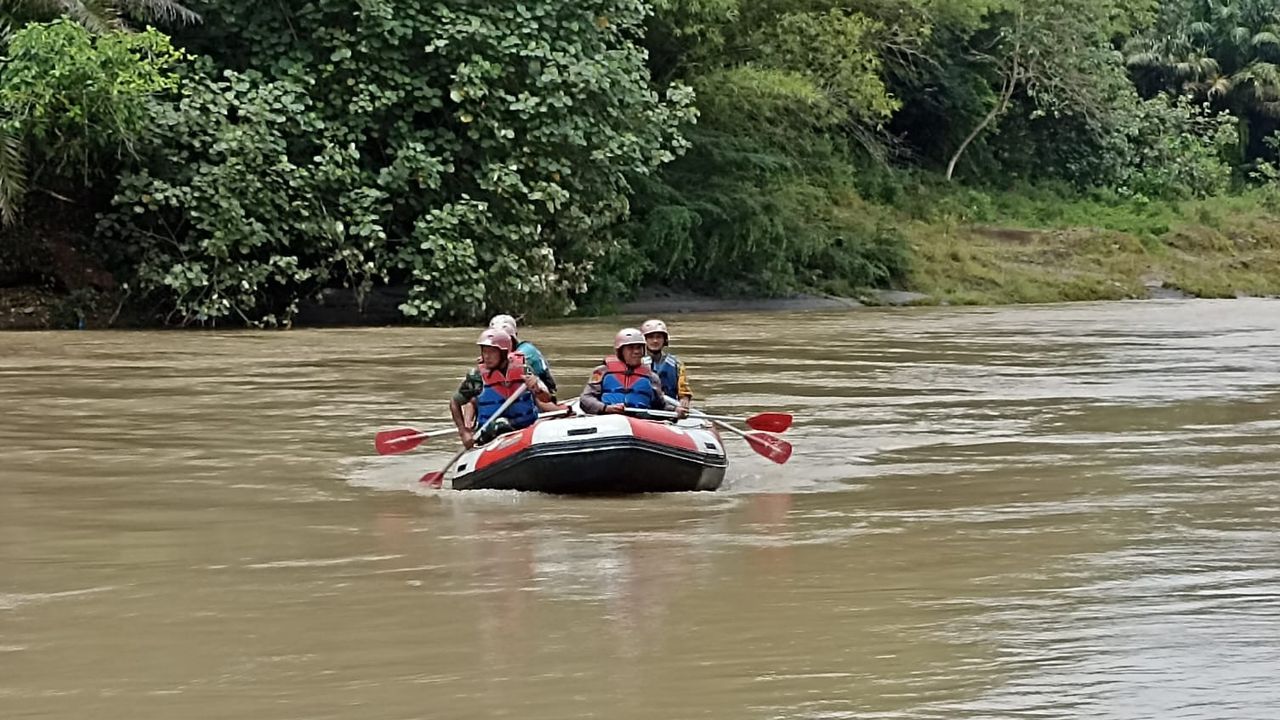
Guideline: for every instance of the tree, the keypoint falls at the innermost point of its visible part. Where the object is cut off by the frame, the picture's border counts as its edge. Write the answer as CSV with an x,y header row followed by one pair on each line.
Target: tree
x,y
72,103
1049,50
96,16
478,153
1225,52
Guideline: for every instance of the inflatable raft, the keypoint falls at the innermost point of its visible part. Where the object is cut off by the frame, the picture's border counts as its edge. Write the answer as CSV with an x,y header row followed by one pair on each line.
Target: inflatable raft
x,y
597,454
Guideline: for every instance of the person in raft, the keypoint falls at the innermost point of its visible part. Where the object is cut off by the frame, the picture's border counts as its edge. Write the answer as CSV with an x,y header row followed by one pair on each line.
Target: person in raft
x,y
497,375
623,381
675,381
533,358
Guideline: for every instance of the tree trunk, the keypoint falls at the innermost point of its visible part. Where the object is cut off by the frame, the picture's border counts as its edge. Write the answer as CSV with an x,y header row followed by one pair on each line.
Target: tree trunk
x,y
1006,93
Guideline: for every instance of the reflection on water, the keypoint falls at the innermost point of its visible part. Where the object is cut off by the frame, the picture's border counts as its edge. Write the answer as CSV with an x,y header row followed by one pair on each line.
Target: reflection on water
x,y
1072,513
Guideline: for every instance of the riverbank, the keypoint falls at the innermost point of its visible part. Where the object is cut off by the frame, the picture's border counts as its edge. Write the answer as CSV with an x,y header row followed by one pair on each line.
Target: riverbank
x,y
965,247
1049,251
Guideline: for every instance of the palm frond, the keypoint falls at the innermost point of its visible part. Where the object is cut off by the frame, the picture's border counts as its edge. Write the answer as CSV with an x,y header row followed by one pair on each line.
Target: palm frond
x,y
1220,87
1146,60
162,11
1261,73
1265,38
95,16
100,16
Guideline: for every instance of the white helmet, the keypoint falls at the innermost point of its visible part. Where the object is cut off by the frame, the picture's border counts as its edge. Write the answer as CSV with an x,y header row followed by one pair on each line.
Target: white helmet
x,y
505,323
656,326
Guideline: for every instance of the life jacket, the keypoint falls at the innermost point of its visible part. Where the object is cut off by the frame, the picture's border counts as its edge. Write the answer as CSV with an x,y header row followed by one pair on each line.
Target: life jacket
x,y
668,370
498,386
630,386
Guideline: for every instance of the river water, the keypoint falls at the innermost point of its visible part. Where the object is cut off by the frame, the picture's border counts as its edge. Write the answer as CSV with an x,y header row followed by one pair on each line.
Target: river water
x,y
1072,511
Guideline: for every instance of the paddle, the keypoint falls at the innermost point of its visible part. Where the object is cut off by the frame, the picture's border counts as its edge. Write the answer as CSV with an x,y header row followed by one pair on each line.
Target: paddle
x,y
436,479
403,439
770,446
768,421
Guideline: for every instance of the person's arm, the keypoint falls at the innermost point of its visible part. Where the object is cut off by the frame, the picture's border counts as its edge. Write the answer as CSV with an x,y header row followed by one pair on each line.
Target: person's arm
x,y
465,433
536,363
467,392
536,386
549,380
589,401
682,390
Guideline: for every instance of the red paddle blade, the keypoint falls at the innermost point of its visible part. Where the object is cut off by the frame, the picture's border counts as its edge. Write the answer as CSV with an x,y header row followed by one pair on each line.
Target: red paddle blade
x,y
770,422
774,448
432,479
398,440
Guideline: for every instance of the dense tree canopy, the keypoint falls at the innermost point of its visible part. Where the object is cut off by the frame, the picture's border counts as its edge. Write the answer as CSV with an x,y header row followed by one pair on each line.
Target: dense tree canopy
x,y
544,155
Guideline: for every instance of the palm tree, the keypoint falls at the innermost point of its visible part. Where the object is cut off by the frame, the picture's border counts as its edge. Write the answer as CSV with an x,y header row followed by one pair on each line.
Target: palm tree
x,y
1225,52
97,16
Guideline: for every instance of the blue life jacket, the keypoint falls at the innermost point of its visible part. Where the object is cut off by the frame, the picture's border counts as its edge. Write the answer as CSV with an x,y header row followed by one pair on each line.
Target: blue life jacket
x,y
498,386
668,370
630,386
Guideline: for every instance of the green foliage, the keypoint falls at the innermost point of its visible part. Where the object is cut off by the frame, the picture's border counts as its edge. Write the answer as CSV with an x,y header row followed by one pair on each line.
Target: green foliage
x,y
72,104
741,215
548,155
478,153
838,51
1225,53
1162,147
246,207
1172,148
762,201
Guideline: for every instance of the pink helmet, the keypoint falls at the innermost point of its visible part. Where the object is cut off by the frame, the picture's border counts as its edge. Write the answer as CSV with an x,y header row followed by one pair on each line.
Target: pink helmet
x,y
505,323
495,338
655,326
627,336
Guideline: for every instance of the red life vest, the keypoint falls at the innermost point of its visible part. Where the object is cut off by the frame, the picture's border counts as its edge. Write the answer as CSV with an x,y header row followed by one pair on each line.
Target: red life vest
x,y
498,386
505,383
633,387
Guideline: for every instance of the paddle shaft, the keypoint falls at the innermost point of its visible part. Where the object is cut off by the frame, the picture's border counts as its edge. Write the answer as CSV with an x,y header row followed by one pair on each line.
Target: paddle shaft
x,y
692,413
768,422
501,409
726,426
700,414
745,436
446,431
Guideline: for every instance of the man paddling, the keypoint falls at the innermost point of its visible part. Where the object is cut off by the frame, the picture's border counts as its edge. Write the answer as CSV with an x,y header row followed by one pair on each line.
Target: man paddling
x,y
533,358
623,381
675,381
498,374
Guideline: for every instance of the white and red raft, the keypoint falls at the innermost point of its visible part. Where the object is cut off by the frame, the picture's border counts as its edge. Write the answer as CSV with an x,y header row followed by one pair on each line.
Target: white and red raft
x,y
597,454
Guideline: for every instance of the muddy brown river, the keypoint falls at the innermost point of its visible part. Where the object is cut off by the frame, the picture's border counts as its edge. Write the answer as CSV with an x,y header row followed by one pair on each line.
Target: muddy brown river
x,y
1072,511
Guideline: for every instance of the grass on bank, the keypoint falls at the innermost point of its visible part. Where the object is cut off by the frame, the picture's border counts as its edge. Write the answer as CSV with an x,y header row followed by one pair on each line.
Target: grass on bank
x,y
984,248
